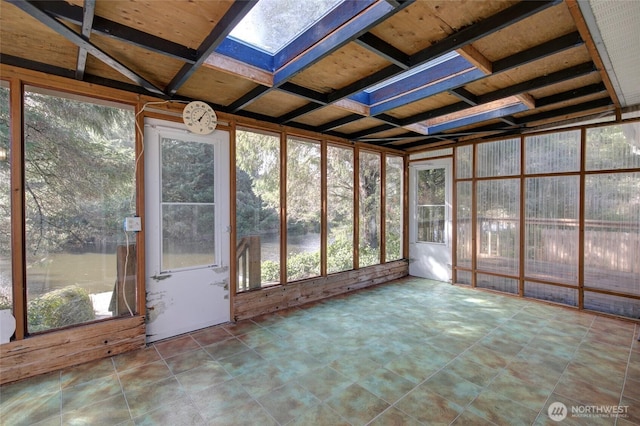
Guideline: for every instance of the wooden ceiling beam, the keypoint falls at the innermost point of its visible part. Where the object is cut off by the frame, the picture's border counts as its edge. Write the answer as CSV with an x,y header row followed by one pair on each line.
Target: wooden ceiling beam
x,y
450,43
34,11
231,18
572,94
88,14
497,95
583,29
117,31
383,49
353,29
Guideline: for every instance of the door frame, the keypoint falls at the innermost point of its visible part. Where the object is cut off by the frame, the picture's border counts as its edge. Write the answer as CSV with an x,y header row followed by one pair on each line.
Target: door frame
x,y
440,254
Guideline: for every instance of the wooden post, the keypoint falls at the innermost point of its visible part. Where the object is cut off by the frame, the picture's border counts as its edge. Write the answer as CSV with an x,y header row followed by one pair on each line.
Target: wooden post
x,y
255,273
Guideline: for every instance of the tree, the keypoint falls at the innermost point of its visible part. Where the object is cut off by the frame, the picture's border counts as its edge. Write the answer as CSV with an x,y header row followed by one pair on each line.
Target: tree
x,y
79,162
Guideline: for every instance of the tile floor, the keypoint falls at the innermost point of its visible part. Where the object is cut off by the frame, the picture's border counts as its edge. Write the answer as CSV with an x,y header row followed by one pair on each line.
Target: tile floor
x,y
411,352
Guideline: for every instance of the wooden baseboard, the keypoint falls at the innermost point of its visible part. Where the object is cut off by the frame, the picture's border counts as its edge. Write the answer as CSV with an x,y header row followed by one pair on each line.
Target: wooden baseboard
x,y
271,299
64,348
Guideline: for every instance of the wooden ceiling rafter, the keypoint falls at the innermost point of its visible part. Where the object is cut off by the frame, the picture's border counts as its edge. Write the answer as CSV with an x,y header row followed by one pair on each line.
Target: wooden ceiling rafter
x,y
456,88
455,41
425,108
120,32
36,12
309,58
221,30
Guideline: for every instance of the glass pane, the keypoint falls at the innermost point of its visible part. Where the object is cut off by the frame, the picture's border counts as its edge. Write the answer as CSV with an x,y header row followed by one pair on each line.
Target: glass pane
x,y
553,152
430,214
463,277
612,232
464,162
257,209
552,293
503,284
616,305
393,218
188,213
303,209
6,292
430,221
369,209
613,147
79,174
463,225
551,228
498,225
187,171
273,24
339,209
501,158
187,235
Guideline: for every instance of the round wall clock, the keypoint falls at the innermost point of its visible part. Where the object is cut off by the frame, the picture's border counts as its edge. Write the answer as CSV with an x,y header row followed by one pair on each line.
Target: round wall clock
x,y
199,117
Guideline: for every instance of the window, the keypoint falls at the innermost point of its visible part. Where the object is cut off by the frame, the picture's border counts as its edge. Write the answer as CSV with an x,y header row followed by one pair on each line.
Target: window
x,y
393,204
498,225
303,209
613,147
79,180
370,207
553,228
430,206
257,209
339,209
187,203
6,281
287,20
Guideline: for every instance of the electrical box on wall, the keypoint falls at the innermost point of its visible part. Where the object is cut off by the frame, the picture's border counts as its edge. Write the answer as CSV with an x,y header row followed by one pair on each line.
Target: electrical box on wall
x,y
132,224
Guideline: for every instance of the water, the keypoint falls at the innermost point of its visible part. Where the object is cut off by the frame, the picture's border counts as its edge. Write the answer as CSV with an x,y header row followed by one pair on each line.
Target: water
x,y
270,245
96,272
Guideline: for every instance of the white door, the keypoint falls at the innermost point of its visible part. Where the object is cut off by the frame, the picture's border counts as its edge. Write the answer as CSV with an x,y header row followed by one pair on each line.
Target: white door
x,y
187,225
430,219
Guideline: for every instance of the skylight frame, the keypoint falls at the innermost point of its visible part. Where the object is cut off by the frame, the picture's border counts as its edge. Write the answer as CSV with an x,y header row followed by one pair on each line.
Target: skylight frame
x,y
281,44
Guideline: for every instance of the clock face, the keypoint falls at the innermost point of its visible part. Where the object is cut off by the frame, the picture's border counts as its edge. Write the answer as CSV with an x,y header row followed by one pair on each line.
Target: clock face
x,y
199,117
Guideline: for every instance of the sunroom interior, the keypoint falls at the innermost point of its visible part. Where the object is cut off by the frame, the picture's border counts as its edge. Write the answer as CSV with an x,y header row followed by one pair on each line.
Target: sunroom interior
x,y
207,171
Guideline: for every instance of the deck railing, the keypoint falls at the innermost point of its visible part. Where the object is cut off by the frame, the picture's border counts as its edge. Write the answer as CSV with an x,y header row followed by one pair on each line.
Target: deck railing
x,y
249,263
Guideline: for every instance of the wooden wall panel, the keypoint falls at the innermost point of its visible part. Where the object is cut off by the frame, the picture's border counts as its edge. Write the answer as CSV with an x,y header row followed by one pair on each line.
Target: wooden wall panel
x,y
558,62
156,68
14,40
356,126
214,86
565,86
276,103
268,300
322,116
183,22
344,66
60,349
527,33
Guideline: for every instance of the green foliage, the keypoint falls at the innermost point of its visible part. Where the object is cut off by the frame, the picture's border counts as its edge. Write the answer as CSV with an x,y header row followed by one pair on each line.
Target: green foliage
x,y
187,172
303,265
59,308
270,271
79,162
252,215
6,301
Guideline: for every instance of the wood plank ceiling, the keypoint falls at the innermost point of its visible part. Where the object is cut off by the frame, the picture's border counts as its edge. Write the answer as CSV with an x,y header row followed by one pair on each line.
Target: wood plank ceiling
x,y
487,67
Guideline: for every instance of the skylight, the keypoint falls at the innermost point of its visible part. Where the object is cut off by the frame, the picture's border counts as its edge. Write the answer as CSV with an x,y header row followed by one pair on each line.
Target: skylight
x,y
430,64
273,24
